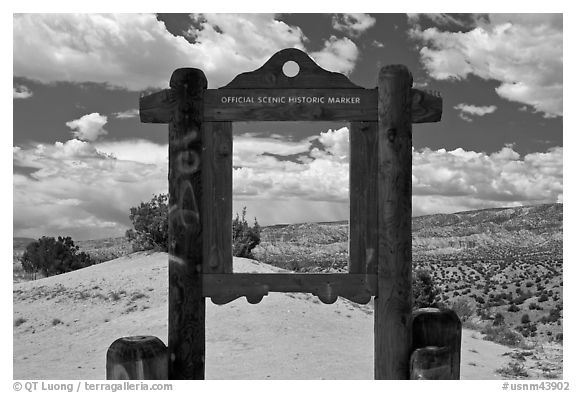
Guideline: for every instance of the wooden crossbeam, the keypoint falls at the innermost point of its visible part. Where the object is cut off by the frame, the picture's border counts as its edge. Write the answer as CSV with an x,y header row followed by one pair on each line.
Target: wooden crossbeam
x,y
224,288
299,105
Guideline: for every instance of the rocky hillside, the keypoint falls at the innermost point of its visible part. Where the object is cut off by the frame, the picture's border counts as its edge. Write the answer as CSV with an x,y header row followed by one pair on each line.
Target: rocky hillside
x,y
526,226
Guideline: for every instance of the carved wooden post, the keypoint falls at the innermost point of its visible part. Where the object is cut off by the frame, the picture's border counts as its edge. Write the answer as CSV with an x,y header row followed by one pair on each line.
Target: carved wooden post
x,y
186,310
393,305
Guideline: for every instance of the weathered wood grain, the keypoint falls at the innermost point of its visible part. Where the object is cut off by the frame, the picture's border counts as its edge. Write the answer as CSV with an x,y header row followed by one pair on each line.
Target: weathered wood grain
x,y
270,75
363,198
186,304
224,288
137,358
438,328
158,107
262,105
217,194
431,363
393,305
290,104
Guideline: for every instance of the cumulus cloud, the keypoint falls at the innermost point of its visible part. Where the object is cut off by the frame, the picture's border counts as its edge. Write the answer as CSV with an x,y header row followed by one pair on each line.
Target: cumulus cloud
x,y
353,24
443,181
136,52
338,55
522,52
75,188
466,109
130,113
86,189
21,92
311,174
89,127
466,180
443,19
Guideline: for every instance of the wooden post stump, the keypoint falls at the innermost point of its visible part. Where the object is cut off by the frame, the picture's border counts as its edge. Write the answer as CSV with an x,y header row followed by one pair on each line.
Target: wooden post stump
x,y
436,342
431,363
137,357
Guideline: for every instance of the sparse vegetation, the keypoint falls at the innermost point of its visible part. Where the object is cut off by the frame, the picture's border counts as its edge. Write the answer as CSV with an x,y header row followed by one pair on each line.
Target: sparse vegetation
x,y
19,321
244,237
503,335
54,256
514,369
150,221
424,290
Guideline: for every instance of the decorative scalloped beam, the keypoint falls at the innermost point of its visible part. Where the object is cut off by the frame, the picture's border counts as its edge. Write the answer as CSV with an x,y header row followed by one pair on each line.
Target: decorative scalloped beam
x,y
224,288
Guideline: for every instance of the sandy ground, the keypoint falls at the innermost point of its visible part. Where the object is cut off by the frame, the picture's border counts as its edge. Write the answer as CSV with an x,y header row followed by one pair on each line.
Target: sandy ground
x,y
65,324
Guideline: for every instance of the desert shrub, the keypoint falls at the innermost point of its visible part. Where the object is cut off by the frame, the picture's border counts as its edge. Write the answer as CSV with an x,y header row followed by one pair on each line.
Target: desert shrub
x,y
559,337
54,256
527,330
498,320
502,335
525,319
19,321
424,289
534,306
463,308
513,308
553,316
513,369
244,236
150,221
543,298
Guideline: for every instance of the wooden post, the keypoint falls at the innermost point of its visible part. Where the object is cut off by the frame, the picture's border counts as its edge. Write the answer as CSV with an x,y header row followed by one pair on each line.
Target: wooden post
x,y
363,198
186,304
217,194
137,357
436,340
393,305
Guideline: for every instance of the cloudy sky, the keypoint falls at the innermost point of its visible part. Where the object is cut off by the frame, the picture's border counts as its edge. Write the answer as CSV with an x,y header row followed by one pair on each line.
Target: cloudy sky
x,y
81,158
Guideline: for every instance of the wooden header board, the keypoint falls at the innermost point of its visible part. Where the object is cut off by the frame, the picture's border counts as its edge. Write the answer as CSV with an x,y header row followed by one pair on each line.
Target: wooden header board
x,y
268,95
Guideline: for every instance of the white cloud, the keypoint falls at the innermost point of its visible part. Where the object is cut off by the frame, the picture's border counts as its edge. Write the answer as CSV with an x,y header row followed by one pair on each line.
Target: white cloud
x,y
21,92
137,150
461,20
130,113
86,189
378,44
135,51
443,181
318,175
522,52
76,189
88,127
338,55
466,180
353,24
466,109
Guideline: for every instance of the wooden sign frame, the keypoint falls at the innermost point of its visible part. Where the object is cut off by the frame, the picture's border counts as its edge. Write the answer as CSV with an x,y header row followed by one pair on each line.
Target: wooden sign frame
x,y
200,196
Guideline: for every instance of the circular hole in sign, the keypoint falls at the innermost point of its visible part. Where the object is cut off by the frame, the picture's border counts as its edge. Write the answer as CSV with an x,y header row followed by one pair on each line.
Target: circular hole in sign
x,y
291,69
